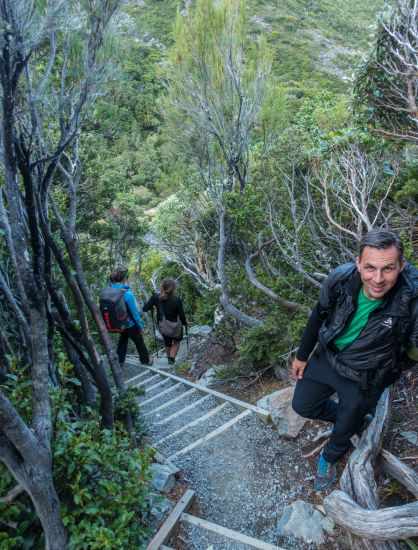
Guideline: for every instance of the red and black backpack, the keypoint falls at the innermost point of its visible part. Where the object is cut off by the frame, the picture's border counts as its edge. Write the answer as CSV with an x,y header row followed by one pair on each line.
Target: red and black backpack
x,y
114,310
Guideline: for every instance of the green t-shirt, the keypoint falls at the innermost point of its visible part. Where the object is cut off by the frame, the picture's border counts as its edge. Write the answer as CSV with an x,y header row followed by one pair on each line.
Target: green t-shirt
x,y
364,307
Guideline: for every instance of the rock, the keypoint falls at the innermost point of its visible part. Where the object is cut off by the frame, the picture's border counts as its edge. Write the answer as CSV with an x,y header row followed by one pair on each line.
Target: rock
x,y
163,477
200,330
218,316
182,352
160,507
303,521
281,373
411,437
194,369
208,378
158,457
279,403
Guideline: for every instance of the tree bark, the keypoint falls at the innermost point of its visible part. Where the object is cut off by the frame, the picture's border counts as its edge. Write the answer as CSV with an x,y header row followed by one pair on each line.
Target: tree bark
x,y
30,462
396,523
75,337
355,507
45,499
88,395
82,292
405,475
26,451
245,319
36,479
4,359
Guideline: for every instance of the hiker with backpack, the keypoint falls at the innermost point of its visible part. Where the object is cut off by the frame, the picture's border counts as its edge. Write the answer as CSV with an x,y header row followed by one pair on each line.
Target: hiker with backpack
x,y
121,315
170,317
360,336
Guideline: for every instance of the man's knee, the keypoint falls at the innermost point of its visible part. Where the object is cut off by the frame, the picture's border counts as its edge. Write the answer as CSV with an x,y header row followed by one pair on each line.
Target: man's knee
x,y
351,414
304,406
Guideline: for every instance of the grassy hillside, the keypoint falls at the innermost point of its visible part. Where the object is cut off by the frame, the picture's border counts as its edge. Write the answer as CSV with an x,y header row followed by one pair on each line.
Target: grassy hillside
x,y
316,42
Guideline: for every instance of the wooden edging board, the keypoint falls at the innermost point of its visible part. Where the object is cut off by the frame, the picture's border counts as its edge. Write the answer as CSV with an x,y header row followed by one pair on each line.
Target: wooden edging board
x,y
262,413
228,533
193,423
170,402
165,530
168,419
210,435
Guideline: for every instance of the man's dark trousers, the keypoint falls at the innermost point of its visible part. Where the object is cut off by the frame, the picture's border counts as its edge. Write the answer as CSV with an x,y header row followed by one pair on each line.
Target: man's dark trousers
x,y
312,400
135,334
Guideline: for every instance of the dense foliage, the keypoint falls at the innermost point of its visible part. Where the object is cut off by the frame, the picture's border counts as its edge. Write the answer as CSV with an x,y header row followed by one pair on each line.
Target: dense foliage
x,y
91,465
219,146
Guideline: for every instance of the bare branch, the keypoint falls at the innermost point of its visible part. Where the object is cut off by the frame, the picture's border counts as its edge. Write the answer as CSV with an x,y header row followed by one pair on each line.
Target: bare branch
x,y
290,306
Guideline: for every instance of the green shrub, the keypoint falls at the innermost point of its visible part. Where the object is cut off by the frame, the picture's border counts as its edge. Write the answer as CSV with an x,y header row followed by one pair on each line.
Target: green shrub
x,y
101,480
262,346
103,486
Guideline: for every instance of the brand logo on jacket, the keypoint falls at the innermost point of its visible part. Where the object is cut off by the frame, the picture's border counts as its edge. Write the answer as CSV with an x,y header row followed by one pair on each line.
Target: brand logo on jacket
x,y
387,322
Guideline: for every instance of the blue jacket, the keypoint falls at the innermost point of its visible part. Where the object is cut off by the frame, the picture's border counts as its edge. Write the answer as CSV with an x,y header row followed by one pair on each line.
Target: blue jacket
x,y
132,306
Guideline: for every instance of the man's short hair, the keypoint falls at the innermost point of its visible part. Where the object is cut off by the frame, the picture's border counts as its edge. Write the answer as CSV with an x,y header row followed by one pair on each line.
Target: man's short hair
x,y
381,239
119,274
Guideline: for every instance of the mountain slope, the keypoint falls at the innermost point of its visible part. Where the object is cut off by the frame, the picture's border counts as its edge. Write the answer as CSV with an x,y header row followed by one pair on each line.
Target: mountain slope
x,y
315,42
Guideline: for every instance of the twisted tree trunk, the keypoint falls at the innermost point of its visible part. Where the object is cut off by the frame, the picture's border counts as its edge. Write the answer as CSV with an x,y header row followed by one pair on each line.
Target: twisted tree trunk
x,y
356,506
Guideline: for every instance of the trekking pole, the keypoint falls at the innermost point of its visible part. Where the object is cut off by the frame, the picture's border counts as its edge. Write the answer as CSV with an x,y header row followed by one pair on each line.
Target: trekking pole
x,y
153,329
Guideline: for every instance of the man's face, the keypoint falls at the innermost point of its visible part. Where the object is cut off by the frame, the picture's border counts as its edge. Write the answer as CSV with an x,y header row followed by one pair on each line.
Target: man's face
x,y
379,270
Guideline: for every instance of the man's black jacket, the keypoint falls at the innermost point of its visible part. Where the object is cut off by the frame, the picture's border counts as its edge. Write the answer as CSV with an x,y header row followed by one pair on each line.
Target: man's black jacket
x,y
391,328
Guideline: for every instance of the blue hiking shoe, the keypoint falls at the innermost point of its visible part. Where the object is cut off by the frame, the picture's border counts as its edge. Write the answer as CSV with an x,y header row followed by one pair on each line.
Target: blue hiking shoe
x,y
326,474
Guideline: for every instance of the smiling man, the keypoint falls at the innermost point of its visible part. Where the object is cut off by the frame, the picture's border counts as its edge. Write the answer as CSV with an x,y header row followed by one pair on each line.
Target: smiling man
x,y
364,329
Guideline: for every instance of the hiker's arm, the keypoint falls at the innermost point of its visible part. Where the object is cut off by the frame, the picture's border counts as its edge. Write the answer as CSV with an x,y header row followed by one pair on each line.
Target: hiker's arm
x,y
149,305
133,309
318,316
310,335
307,344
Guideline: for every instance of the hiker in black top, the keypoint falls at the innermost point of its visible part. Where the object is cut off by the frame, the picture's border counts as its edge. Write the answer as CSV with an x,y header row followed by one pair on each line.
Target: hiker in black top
x,y
170,317
360,336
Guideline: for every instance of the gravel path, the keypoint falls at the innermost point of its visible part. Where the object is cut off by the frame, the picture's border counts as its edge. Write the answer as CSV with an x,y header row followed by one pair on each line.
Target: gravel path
x,y
243,478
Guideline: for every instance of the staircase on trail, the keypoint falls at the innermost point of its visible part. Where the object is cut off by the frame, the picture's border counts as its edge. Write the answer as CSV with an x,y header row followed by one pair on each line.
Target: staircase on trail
x,y
204,432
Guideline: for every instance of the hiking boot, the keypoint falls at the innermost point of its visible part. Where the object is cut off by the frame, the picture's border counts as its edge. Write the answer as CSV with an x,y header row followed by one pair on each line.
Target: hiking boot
x,y
149,363
326,474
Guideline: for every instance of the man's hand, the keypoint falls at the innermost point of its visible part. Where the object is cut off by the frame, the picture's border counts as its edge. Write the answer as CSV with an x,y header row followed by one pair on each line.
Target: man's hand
x,y
297,369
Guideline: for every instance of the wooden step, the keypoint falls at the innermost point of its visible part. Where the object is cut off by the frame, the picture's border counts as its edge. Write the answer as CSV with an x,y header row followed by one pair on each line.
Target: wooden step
x,y
182,411
210,435
262,413
193,423
169,403
159,395
166,528
228,533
